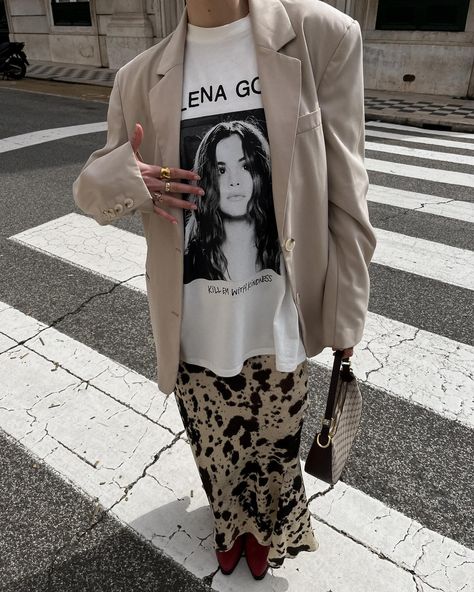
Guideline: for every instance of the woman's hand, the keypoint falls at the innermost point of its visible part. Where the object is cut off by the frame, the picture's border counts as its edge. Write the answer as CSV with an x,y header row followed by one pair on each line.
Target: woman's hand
x,y
151,176
346,353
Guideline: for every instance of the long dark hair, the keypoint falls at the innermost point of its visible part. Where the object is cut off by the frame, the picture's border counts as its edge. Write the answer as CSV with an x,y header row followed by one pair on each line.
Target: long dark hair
x,y
205,231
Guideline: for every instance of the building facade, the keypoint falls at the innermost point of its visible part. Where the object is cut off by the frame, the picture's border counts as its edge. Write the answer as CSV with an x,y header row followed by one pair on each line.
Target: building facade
x,y
424,46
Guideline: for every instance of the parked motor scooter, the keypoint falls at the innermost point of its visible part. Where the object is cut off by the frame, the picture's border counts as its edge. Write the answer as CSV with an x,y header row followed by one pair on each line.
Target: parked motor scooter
x,y
13,60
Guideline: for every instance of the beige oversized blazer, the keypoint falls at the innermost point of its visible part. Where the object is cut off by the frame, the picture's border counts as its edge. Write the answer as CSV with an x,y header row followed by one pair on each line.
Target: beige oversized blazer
x,y
309,58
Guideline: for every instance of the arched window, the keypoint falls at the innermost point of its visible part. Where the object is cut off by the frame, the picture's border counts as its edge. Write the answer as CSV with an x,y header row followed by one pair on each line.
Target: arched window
x,y
71,13
422,15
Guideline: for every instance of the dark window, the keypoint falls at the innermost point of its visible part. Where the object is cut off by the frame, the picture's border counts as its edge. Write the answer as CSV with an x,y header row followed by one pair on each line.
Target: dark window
x,y
422,15
3,23
68,13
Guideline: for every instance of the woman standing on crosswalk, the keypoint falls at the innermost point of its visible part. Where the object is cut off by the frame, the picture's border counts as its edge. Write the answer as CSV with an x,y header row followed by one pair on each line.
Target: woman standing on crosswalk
x,y
233,347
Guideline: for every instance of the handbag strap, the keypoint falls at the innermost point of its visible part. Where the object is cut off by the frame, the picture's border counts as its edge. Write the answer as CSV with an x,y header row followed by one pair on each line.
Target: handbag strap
x,y
336,367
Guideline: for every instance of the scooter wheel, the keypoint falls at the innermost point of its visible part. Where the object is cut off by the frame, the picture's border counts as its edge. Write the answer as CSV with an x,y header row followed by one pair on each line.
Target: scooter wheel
x,y
16,69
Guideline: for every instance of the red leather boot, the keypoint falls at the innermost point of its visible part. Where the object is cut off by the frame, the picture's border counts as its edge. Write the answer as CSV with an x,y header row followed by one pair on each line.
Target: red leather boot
x,y
256,556
229,559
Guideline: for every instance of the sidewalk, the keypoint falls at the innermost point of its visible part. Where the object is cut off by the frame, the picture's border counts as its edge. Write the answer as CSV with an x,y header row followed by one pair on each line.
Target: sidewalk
x,y
431,111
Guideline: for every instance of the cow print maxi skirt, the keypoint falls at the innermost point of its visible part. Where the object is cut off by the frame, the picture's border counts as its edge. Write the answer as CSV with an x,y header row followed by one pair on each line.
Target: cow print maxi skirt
x,y
244,432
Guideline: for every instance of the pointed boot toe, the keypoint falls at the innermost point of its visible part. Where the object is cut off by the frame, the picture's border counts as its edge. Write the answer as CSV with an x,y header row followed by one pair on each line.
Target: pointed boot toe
x,y
230,558
256,556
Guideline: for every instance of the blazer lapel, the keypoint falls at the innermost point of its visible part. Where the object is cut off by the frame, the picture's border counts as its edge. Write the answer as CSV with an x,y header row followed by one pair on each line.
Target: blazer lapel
x,y
280,80
165,101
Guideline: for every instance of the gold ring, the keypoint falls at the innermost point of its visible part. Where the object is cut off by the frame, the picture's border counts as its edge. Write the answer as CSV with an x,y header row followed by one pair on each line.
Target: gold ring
x,y
167,186
165,173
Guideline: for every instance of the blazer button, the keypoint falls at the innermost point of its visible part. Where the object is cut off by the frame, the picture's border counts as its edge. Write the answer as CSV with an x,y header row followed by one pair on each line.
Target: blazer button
x,y
290,244
128,203
118,208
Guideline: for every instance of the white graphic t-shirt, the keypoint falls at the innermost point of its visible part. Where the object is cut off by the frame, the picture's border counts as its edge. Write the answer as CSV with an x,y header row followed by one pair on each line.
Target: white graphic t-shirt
x,y
237,298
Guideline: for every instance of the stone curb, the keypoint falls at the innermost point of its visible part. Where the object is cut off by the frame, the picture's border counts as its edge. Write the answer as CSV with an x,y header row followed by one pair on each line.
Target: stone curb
x,y
420,121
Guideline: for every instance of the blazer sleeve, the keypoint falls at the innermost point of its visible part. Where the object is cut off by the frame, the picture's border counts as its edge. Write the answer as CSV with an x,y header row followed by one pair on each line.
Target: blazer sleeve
x,y
110,185
352,239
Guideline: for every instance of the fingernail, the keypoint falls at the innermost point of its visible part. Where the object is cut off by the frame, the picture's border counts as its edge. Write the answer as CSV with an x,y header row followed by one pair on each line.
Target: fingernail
x,y
201,192
197,177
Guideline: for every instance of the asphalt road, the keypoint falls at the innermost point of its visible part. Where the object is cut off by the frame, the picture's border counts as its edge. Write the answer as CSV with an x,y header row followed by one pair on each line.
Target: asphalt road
x,y
408,456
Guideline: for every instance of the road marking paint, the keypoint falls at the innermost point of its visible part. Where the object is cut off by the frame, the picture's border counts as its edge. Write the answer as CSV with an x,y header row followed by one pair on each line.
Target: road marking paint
x,y
420,153
405,542
417,172
111,252
422,140
419,256
119,256
112,434
422,202
49,135
410,363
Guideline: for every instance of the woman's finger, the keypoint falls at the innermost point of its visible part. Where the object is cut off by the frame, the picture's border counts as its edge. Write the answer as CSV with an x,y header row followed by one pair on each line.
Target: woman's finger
x,y
165,215
137,137
175,173
178,203
155,185
346,353
181,188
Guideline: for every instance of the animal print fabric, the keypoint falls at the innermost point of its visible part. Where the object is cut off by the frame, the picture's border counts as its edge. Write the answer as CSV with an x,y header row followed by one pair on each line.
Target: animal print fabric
x,y
244,432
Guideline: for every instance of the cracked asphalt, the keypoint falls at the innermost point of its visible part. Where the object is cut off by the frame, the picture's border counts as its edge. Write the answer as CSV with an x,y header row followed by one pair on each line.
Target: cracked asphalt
x,y
54,538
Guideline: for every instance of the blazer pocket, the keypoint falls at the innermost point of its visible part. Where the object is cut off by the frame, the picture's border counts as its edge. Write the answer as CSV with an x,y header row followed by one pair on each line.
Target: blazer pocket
x,y
309,121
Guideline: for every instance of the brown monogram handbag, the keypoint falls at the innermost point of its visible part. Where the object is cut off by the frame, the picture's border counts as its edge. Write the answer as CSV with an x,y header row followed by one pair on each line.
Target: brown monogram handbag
x,y
331,446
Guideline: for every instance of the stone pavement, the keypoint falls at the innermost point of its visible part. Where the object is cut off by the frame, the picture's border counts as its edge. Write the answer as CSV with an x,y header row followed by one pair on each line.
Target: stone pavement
x,y
429,111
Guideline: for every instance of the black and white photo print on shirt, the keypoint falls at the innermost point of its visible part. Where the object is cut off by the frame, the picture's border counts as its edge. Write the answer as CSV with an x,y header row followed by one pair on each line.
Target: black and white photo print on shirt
x,y
237,299
233,234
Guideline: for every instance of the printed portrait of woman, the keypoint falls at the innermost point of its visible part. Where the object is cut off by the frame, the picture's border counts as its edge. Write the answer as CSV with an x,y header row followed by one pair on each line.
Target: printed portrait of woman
x,y
233,234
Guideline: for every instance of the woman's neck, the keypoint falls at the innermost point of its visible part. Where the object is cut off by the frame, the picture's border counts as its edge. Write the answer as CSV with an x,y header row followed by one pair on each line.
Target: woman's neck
x,y
215,13
239,231
240,250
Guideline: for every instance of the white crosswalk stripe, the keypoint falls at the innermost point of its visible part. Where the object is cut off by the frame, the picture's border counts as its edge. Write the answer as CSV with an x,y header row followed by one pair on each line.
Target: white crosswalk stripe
x,y
422,141
49,135
446,157
422,202
120,256
426,258
100,424
87,384
419,172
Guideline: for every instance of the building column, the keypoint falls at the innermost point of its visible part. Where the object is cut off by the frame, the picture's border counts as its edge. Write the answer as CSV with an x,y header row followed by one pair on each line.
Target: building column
x,y
470,29
129,32
359,11
470,86
167,14
342,5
